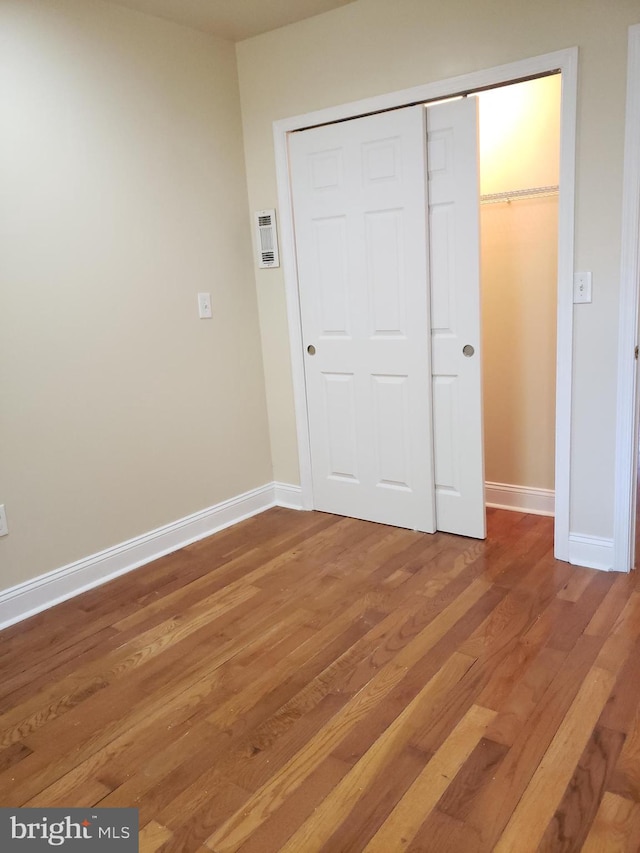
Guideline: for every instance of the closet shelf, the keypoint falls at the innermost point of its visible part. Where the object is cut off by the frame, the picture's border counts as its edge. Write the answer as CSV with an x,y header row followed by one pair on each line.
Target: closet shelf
x,y
512,195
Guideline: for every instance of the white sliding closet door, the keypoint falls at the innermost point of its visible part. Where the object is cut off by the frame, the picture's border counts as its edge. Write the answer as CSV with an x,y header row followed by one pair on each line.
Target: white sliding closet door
x,y
390,309
360,214
454,230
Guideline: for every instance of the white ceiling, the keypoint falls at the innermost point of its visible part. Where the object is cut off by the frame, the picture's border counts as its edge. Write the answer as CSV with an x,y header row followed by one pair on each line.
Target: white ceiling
x,y
233,19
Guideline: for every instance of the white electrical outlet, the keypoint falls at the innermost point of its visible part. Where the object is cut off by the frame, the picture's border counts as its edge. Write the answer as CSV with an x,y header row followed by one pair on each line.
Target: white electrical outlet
x,y
204,306
4,529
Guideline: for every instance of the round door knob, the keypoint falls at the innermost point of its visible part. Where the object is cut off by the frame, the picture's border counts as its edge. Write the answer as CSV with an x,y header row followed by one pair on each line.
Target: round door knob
x,y
311,349
468,350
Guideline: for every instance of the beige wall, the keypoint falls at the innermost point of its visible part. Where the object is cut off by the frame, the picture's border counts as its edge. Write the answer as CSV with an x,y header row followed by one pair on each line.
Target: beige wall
x,y
123,195
376,46
519,148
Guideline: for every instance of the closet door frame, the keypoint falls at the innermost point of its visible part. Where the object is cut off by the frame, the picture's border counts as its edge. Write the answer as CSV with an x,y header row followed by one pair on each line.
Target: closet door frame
x,y
565,62
628,403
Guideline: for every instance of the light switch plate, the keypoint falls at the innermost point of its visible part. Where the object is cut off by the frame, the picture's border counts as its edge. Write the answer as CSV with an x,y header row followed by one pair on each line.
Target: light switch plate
x,y
204,306
582,287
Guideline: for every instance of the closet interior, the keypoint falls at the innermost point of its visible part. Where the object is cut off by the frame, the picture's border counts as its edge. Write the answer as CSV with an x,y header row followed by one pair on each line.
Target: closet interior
x,y
519,129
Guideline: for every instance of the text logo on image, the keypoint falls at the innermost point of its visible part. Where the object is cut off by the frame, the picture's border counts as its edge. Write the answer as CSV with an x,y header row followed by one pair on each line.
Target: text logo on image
x,y
73,830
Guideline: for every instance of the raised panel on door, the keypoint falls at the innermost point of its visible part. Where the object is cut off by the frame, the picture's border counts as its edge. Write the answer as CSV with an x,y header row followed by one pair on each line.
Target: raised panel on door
x,y
385,273
392,432
360,215
331,279
340,429
455,316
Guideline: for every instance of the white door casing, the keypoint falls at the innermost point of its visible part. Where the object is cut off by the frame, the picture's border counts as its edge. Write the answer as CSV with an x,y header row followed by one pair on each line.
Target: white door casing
x,y
454,229
628,404
359,206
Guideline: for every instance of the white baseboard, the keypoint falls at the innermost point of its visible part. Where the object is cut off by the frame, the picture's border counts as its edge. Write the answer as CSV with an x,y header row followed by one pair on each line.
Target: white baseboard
x,y
520,498
26,599
594,552
288,496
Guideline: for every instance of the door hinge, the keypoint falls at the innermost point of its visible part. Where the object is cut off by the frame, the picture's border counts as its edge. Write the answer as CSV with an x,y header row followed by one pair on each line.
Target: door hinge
x,y
635,352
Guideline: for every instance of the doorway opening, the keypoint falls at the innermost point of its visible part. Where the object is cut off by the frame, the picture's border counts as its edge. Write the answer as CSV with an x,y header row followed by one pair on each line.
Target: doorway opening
x,y
519,153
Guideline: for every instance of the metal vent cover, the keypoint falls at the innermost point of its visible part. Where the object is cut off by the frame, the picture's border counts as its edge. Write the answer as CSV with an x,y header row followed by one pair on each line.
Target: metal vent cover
x,y
267,239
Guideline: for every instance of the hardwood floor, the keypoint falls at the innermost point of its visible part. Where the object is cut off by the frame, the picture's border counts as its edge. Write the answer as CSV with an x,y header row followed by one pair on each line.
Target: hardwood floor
x,y
305,682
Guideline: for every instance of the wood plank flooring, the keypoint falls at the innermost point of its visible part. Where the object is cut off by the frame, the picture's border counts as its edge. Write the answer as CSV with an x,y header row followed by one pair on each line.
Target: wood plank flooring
x,y
304,682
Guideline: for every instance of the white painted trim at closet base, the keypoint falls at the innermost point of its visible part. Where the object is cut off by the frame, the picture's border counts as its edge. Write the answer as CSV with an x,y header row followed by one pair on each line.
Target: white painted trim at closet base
x,y
520,498
593,552
26,599
288,496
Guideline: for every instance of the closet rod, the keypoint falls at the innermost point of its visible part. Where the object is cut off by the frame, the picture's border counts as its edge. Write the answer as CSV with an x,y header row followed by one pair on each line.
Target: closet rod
x,y
531,192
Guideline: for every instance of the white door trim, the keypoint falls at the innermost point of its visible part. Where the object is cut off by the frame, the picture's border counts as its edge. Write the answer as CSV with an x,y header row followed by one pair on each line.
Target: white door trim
x,y
565,61
627,404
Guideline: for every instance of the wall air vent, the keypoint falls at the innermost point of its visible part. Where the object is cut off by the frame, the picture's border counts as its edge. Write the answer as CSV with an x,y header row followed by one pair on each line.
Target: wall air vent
x,y
267,239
